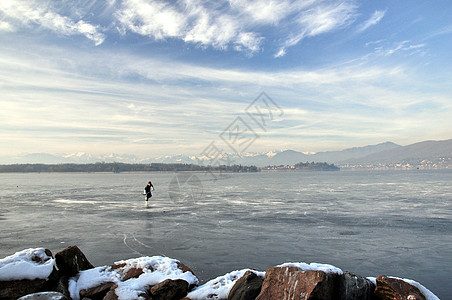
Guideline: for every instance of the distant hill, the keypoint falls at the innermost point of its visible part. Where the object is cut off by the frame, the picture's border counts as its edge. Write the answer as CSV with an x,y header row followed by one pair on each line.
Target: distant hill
x,y
355,152
288,157
414,153
383,153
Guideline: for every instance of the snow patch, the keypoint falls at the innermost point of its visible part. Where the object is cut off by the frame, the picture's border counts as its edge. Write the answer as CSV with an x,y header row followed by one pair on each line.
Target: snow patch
x,y
32,263
155,269
219,287
427,293
314,267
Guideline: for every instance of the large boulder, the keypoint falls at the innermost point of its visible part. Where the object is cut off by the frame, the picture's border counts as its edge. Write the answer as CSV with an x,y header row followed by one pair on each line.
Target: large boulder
x,y
169,290
16,288
396,289
294,283
27,272
247,287
354,287
71,260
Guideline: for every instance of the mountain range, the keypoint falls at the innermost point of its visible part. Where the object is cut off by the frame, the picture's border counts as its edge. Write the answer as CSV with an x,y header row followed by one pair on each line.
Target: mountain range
x,y
383,153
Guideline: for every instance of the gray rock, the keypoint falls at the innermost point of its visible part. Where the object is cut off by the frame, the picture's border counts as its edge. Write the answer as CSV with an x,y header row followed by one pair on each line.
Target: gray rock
x,y
44,296
354,287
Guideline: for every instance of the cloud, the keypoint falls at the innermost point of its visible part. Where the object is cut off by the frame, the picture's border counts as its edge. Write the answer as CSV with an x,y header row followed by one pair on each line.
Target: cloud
x,y
236,24
442,31
191,21
405,47
318,20
52,106
4,26
30,12
373,20
264,11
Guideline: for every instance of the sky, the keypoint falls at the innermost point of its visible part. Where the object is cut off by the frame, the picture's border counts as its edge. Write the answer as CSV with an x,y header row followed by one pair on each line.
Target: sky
x,y
152,78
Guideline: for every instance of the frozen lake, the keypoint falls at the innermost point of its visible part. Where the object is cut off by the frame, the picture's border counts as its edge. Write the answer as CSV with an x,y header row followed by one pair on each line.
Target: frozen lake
x,y
372,223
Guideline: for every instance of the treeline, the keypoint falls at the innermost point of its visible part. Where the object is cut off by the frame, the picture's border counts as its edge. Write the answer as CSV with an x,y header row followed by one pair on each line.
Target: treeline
x,y
318,166
307,166
122,167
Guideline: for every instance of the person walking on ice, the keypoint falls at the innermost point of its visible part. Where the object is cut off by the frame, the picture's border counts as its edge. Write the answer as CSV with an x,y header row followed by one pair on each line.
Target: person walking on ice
x,y
147,190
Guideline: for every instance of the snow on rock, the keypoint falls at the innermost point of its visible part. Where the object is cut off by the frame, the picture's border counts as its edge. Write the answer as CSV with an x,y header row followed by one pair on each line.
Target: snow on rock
x,y
314,267
219,287
33,263
426,292
155,270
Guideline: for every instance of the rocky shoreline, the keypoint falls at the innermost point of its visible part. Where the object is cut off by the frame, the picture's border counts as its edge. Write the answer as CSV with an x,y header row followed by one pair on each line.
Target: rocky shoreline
x,y
37,274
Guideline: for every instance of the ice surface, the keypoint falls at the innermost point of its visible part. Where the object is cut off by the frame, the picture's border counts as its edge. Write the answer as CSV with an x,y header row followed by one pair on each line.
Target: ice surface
x,y
21,265
370,223
155,269
219,287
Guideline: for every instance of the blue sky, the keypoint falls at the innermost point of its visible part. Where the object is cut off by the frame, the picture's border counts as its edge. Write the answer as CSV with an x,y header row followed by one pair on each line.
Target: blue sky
x,y
154,78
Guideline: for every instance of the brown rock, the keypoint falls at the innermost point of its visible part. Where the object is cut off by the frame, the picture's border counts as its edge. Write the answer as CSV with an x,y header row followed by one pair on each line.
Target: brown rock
x,y
17,288
396,289
247,287
132,273
184,268
169,290
127,273
98,292
118,266
71,260
111,295
293,283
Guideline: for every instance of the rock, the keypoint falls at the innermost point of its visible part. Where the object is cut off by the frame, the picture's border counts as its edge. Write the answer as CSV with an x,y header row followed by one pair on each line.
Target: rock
x,y
247,287
127,273
132,273
169,290
353,287
17,288
111,295
294,283
71,260
184,268
98,292
396,289
44,296
62,286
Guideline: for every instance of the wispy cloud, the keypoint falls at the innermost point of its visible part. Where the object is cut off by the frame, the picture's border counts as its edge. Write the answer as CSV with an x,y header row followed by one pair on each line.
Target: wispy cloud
x,y
191,21
405,47
442,31
44,99
376,17
234,24
26,13
318,20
